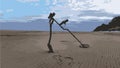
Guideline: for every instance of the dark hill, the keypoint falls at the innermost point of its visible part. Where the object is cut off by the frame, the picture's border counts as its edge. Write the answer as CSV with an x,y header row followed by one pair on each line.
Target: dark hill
x,y
114,25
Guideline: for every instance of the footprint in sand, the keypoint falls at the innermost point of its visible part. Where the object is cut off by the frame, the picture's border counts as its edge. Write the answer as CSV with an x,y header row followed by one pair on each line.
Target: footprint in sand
x,y
69,60
64,60
58,58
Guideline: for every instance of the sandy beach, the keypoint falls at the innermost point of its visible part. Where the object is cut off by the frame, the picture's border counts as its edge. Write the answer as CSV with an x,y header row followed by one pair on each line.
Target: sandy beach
x,y
28,49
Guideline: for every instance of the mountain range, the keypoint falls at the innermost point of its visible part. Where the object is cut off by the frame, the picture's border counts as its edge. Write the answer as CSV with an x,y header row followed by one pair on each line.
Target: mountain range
x,y
43,25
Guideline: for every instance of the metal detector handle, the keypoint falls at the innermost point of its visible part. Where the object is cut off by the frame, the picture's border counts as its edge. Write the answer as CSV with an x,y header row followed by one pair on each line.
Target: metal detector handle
x,y
69,32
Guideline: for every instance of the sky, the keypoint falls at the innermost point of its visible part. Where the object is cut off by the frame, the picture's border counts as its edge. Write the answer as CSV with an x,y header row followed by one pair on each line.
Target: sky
x,y
74,10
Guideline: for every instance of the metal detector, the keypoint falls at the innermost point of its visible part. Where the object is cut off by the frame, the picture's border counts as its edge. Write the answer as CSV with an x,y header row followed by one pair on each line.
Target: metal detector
x,y
51,20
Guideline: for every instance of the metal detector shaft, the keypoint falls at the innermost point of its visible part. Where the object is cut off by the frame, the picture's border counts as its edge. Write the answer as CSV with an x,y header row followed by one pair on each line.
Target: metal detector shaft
x,y
69,32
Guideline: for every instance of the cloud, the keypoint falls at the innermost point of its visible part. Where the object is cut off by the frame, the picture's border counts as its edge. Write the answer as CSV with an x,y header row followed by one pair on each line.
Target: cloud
x,y
80,15
54,2
9,10
80,4
1,13
32,17
107,5
76,10
24,1
95,17
98,13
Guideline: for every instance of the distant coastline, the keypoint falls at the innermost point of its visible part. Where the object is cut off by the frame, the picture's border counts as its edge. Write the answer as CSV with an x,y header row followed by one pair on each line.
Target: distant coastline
x,y
113,25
